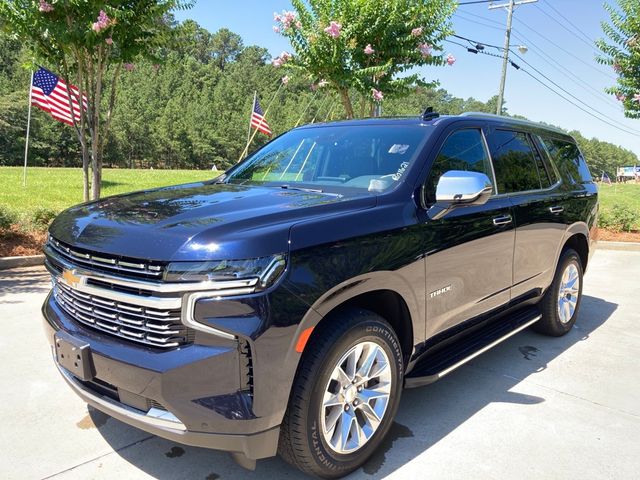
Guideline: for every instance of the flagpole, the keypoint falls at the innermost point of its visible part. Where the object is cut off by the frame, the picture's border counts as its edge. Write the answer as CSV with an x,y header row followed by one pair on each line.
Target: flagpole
x,y
26,143
313,97
253,105
263,116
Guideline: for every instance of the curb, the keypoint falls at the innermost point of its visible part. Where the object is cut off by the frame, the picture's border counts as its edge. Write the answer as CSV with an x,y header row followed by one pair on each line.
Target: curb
x,y
621,246
7,263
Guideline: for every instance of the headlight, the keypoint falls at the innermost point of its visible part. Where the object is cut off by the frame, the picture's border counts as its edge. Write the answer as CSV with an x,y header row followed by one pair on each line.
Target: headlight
x,y
265,269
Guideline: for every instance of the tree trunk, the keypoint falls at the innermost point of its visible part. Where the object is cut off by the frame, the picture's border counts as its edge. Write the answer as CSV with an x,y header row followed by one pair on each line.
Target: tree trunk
x,y
346,101
85,170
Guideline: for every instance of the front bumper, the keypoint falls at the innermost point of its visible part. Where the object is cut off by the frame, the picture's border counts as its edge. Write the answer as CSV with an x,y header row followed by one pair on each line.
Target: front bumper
x,y
192,395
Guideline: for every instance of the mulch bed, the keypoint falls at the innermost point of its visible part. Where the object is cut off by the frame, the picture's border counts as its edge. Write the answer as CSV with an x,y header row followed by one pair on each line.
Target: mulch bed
x,y
17,243
609,236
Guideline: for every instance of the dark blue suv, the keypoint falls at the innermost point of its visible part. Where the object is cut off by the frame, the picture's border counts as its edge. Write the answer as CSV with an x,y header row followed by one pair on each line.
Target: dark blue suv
x,y
283,306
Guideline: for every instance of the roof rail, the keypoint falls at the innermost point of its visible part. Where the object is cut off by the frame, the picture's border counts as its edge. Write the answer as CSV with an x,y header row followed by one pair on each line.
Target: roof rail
x,y
514,120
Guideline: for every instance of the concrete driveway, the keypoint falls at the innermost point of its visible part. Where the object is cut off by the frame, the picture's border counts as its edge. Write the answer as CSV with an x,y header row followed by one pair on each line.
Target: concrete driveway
x,y
532,408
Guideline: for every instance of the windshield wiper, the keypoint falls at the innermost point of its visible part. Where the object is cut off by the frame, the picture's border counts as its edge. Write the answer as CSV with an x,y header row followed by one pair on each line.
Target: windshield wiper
x,y
310,190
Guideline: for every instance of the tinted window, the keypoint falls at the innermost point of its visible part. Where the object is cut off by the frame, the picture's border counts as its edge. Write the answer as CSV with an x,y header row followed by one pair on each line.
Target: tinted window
x,y
373,157
514,162
568,160
463,150
543,170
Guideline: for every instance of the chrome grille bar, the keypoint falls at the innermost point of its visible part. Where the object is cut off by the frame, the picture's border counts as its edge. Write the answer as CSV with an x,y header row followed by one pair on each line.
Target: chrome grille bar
x,y
150,326
113,264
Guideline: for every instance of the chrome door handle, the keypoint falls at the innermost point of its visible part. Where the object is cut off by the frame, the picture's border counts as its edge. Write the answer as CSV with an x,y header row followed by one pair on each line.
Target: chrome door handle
x,y
556,209
502,220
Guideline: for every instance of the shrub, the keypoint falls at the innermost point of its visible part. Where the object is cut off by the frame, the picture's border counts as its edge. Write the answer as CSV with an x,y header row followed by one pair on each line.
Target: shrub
x,y
7,218
42,217
618,219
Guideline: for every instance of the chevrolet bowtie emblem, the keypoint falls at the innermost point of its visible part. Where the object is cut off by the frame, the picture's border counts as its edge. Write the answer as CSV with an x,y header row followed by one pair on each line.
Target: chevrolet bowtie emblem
x,y
70,278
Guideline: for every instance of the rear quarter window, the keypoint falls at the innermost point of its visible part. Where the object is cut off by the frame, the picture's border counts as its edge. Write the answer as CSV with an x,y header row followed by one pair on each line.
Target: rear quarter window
x,y
568,160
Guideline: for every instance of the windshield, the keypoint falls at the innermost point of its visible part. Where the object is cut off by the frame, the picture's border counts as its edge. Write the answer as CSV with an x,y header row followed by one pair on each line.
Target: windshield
x,y
367,157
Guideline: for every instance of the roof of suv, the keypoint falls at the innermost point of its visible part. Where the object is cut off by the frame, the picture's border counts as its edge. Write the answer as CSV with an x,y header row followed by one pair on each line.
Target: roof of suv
x,y
445,119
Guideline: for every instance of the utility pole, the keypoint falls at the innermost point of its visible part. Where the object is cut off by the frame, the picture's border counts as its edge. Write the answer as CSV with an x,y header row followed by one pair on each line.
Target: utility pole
x,y
507,44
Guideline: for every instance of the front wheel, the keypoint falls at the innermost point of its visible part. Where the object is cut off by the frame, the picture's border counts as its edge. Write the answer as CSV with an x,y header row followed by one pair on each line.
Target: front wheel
x,y
561,302
344,397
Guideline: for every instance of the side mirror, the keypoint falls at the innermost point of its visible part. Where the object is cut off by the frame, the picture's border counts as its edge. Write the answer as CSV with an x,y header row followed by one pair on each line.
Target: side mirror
x,y
459,188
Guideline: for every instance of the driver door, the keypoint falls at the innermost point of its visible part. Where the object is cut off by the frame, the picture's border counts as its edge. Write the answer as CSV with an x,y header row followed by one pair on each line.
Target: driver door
x,y
469,253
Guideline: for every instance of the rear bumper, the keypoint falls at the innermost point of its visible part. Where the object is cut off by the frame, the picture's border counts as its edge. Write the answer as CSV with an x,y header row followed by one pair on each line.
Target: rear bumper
x,y
191,395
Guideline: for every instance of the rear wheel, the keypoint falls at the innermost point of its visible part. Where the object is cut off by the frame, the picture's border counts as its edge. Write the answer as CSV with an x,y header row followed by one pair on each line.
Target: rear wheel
x,y
344,397
562,301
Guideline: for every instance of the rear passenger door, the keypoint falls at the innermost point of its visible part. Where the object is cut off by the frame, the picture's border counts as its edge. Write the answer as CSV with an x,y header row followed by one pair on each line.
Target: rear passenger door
x,y
470,249
524,176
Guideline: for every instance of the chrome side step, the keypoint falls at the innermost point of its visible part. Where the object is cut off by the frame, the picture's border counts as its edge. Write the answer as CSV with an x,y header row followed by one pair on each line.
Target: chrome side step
x,y
434,367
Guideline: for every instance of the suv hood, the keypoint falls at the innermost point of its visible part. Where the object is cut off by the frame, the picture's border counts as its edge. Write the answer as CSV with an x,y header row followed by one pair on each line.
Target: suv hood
x,y
199,221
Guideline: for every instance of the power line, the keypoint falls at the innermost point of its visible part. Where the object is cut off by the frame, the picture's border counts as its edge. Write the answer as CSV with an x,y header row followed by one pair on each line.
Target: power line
x,y
460,15
576,105
566,51
630,130
474,2
569,22
518,67
564,26
489,23
566,72
558,66
481,18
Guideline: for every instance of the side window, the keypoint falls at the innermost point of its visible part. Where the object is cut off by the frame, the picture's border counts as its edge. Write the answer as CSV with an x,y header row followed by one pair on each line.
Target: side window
x,y
544,170
462,150
514,162
568,160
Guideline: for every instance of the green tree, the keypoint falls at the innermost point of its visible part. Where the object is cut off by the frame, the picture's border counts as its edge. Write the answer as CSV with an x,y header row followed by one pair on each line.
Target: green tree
x,y
365,46
622,52
225,46
82,39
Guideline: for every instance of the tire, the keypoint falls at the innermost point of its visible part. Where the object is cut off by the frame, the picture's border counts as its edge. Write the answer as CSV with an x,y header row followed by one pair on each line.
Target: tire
x,y
554,322
303,442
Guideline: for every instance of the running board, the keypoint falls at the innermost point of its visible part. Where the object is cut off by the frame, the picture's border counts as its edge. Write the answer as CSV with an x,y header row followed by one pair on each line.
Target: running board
x,y
435,366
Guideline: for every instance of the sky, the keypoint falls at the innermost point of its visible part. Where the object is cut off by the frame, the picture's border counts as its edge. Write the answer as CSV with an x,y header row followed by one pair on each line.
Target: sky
x,y
555,48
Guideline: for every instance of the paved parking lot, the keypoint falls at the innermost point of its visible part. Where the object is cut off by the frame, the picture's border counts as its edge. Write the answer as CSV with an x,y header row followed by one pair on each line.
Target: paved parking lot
x,y
531,408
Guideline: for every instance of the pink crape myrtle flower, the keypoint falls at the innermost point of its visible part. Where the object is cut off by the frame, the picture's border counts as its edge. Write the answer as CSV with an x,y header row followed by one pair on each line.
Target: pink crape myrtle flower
x,y
416,32
45,6
285,56
103,22
129,67
636,97
276,29
377,95
285,79
288,19
451,59
322,83
620,97
333,29
425,49
368,50
109,41
277,62
277,17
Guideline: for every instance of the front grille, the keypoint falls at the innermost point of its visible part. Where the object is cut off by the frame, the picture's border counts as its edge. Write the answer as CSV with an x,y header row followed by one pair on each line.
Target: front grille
x,y
126,267
149,326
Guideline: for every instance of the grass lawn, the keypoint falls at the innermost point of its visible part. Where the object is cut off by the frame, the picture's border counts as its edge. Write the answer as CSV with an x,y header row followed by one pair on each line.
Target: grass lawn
x,y
59,188
624,194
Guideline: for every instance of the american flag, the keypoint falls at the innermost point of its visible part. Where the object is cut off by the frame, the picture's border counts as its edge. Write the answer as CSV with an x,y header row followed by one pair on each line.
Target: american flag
x,y
257,119
49,93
